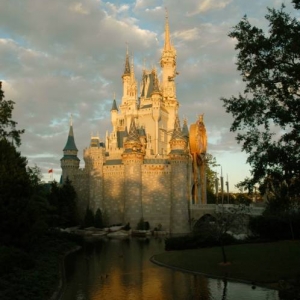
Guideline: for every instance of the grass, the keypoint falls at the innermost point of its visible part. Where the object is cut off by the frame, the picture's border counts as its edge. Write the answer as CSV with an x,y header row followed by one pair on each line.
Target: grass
x,y
260,263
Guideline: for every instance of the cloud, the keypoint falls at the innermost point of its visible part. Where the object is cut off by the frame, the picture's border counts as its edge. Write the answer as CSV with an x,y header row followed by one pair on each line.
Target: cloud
x,y
67,57
206,5
78,8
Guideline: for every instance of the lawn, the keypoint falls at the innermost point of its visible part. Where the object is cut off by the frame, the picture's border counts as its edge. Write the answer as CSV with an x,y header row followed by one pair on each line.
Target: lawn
x,y
260,263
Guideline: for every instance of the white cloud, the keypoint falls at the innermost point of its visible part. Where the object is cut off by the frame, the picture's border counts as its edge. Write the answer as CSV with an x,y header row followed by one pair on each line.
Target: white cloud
x,y
78,8
187,35
63,57
206,5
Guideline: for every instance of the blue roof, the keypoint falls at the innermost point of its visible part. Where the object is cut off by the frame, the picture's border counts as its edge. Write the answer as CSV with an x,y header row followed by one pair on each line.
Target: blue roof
x,y
70,145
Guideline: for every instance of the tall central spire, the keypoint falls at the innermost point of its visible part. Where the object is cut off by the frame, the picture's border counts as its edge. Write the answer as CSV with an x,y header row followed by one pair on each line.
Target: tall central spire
x,y
127,64
168,45
168,64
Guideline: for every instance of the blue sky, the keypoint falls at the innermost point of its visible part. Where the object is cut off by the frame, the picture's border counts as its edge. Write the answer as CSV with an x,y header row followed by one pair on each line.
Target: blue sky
x,y
66,57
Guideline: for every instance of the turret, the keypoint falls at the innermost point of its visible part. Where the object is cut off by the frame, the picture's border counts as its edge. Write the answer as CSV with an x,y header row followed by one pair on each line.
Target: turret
x,y
129,98
132,158
132,144
114,115
178,142
70,161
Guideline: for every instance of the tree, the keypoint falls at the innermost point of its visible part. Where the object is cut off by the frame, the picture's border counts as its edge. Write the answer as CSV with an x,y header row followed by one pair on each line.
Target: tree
x,y
23,206
89,218
98,219
7,125
267,114
211,177
225,221
63,204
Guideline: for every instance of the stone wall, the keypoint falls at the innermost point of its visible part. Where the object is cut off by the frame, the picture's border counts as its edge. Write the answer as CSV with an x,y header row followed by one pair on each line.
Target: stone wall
x,y
156,195
113,193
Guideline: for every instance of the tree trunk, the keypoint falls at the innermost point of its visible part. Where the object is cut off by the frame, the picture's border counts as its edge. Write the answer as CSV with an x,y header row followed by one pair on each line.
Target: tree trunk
x,y
223,251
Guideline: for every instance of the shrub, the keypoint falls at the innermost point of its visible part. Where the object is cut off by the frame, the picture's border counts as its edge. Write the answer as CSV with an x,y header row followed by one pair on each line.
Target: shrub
x,y
197,241
275,227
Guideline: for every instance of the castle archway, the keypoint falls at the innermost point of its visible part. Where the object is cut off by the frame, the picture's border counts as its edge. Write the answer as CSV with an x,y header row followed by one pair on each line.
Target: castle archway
x,y
203,221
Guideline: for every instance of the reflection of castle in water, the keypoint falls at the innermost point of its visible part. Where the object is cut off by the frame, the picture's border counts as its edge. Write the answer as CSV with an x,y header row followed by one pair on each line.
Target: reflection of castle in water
x,y
145,167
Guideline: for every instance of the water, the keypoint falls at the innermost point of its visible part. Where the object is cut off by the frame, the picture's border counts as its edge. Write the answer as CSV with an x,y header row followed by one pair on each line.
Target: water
x,y
119,269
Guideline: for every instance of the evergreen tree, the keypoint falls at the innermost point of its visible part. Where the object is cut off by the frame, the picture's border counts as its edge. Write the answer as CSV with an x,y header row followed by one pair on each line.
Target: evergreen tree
x,y
89,219
98,219
8,129
63,205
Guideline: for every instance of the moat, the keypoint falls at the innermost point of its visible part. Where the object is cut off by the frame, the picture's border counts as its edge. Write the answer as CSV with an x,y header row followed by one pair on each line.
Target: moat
x,y
121,269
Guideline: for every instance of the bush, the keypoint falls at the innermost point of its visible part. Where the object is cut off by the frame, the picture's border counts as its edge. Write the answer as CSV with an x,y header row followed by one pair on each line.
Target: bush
x,y
98,219
275,227
197,241
142,225
12,258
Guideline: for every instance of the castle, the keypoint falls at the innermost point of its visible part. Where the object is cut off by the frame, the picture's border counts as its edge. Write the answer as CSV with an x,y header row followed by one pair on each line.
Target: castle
x,y
145,168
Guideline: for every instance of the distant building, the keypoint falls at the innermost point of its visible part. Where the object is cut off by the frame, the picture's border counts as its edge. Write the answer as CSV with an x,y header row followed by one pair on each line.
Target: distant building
x,y
144,169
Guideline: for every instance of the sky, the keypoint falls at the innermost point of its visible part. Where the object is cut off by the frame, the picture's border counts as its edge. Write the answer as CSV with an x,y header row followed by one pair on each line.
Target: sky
x,y
59,58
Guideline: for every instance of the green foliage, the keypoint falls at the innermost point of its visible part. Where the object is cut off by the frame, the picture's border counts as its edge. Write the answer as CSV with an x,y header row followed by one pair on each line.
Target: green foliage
x,y
211,177
98,219
34,275
276,228
243,199
142,225
19,204
11,258
198,240
63,205
267,115
89,218
127,227
8,129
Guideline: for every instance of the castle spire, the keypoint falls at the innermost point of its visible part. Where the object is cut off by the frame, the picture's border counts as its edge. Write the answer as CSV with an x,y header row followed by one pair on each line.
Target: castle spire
x,y
168,45
70,145
132,69
133,134
168,64
127,63
114,104
177,133
69,161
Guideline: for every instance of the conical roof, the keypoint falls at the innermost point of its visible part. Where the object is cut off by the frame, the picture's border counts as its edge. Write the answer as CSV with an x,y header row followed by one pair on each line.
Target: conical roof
x,y
114,106
177,133
127,64
133,135
70,145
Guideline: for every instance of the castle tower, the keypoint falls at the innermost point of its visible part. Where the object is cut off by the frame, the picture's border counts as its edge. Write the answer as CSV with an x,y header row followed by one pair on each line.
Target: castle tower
x,y
132,159
179,157
168,86
69,162
114,115
156,97
129,98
